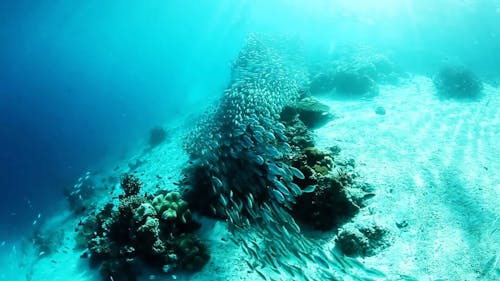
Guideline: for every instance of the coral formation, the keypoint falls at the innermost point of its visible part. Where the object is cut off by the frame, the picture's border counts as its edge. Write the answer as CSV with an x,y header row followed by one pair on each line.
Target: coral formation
x,y
152,229
353,73
357,239
334,197
352,82
157,135
313,113
254,165
457,82
130,185
329,203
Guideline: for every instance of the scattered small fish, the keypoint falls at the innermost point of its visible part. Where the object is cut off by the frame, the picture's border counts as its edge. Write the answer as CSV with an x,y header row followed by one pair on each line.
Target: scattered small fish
x,y
3,244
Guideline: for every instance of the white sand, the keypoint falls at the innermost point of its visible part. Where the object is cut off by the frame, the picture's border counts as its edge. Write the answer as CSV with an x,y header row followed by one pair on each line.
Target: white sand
x,y
435,164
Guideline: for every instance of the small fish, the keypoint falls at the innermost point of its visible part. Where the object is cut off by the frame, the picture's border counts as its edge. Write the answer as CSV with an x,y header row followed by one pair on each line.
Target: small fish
x,y
259,160
223,200
321,261
274,169
216,182
270,136
280,126
368,196
250,200
372,272
250,265
285,232
282,188
238,132
295,189
258,137
3,244
297,173
295,226
34,222
261,274
278,195
309,189
39,215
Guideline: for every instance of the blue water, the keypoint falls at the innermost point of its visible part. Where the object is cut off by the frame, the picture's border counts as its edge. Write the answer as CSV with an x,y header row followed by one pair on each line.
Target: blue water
x,y
83,82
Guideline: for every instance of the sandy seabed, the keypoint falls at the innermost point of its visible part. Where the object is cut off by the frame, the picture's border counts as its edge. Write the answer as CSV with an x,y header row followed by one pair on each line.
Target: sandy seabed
x,y
434,165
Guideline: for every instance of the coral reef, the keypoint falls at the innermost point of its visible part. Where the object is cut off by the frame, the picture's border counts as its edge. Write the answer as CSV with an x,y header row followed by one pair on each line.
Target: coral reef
x,y
329,203
353,73
130,185
331,198
157,135
352,82
151,229
457,82
356,239
255,166
310,111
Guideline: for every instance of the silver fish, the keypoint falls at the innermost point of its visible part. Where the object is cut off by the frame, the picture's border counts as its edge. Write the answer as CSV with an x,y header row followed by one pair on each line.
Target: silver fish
x,y
295,189
278,195
259,160
309,189
216,182
297,173
282,188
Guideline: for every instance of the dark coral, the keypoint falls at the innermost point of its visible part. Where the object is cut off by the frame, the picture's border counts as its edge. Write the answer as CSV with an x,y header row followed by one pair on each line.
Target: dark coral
x,y
193,254
363,240
457,82
313,113
142,229
157,136
329,204
350,82
130,185
354,73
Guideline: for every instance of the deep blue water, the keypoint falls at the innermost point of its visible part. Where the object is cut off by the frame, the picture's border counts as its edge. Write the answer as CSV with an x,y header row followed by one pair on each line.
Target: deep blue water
x,y
82,82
